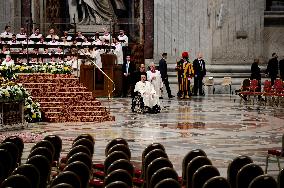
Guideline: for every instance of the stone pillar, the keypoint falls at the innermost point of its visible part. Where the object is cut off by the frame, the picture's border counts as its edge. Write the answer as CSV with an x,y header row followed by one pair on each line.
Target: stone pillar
x,y
26,12
148,28
10,14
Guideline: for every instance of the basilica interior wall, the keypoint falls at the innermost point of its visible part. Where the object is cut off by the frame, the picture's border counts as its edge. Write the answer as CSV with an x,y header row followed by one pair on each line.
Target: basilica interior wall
x,y
226,32
273,42
10,14
237,31
179,27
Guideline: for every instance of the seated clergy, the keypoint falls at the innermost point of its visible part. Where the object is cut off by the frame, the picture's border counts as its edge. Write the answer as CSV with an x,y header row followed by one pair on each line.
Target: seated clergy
x,y
8,61
150,99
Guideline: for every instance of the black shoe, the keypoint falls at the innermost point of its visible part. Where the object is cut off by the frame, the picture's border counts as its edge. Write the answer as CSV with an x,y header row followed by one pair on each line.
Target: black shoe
x,y
160,97
171,96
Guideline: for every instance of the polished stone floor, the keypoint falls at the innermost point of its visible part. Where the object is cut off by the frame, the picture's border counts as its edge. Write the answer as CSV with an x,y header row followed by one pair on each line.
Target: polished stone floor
x,y
219,124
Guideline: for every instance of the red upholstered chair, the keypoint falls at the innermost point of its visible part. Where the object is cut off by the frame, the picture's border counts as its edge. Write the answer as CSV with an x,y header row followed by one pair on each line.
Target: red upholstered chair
x,y
279,90
276,154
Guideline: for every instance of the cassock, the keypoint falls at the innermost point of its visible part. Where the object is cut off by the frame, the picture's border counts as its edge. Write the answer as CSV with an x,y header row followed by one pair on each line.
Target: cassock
x,y
147,91
156,80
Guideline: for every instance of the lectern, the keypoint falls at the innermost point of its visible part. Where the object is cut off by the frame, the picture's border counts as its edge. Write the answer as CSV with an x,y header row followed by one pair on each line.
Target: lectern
x,y
95,80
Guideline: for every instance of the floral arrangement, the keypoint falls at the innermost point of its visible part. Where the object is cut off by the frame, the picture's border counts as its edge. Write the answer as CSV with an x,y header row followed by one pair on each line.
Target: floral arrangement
x,y
11,91
10,71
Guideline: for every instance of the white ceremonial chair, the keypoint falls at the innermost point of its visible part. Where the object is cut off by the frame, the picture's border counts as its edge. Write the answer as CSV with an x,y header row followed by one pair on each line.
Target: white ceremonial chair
x,y
209,83
227,82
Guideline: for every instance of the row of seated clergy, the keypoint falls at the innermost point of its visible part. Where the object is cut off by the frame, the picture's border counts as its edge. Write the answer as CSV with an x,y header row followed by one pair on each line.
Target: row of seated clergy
x,y
36,36
92,52
69,61
94,55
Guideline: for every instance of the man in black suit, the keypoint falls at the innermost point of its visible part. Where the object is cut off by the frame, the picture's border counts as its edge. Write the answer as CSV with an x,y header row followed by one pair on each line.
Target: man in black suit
x,y
199,73
137,74
164,74
255,75
281,68
128,69
272,68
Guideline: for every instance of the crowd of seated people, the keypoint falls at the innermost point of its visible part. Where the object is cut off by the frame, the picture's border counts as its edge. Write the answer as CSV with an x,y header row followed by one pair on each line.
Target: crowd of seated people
x,y
54,48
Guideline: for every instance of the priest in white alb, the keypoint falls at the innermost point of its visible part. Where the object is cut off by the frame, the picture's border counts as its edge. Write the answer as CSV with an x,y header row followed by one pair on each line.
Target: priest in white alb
x,y
154,76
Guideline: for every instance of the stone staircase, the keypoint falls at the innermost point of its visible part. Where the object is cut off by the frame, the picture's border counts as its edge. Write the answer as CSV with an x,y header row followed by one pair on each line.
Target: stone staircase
x,y
64,99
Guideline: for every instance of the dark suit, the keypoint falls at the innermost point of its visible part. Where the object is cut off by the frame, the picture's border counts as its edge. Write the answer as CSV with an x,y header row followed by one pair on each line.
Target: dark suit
x,y
281,68
272,69
127,81
137,76
164,74
255,74
199,73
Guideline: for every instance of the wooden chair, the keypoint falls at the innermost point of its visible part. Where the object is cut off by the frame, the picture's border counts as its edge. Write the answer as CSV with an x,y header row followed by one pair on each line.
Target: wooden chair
x,y
16,181
29,171
187,158
19,143
203,174
57,144
217,182
234,168
263,181
154,166
169,182
42,151
193,166
85,142
67,177
246,175
81,170
118,175
161,174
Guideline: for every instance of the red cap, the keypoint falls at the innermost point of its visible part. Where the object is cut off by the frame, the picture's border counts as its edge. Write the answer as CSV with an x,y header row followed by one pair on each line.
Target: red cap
x,y
184,54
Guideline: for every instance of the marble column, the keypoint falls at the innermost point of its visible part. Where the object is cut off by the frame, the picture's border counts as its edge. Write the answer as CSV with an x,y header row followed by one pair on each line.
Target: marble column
x,y
149,28
10,14
26,12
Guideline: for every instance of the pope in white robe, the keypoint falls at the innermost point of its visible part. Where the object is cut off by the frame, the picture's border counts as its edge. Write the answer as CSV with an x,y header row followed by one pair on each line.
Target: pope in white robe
x,y
154,76
147,91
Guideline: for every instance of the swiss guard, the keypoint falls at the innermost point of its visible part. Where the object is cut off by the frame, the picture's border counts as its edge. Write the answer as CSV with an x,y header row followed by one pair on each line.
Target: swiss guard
x,y
185,73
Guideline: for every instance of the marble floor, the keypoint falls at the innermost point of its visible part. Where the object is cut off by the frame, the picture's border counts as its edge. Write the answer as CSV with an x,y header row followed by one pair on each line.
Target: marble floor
x,y
219,124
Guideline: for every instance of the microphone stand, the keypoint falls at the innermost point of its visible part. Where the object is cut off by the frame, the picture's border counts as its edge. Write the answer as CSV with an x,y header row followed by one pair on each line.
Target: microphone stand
x,y
27,38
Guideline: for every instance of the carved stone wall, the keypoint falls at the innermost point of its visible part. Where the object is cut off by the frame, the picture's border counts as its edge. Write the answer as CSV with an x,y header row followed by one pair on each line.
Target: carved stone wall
x,y
273,41
237,30
226,32
179,27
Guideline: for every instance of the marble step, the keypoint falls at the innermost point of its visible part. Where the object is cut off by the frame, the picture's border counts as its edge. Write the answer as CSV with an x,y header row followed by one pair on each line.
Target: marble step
x,y
57,106
75,109
43,91
49,101
86,95
80,119
55,99
47,80
38,85
88,103
74,113
87,108
51,104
